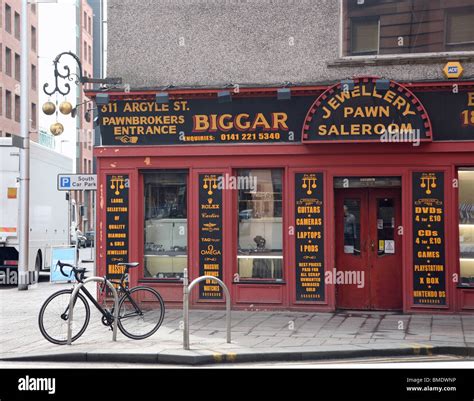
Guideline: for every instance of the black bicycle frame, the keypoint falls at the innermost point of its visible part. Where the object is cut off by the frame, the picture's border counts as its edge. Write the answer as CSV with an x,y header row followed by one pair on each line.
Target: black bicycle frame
x,y
104,312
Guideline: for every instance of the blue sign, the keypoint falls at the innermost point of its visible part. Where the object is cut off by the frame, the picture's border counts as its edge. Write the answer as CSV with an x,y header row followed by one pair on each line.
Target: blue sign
x,y
65,182
65,255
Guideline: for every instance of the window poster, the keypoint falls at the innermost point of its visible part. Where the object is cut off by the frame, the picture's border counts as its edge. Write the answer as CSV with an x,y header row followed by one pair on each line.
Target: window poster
x,y
429,269
309,234
210,235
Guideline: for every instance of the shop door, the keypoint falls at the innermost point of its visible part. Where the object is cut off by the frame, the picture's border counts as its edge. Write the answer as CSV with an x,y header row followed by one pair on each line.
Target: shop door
x,y
368,249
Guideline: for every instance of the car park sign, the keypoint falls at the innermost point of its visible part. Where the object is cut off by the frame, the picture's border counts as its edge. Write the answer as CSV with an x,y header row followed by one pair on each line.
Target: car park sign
x,y
77,182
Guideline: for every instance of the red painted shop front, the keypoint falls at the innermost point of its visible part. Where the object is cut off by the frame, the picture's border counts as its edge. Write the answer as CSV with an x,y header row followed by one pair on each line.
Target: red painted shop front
x,y
257,192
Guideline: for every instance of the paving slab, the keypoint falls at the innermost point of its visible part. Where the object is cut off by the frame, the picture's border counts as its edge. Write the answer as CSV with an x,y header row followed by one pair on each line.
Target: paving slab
x,y
256,335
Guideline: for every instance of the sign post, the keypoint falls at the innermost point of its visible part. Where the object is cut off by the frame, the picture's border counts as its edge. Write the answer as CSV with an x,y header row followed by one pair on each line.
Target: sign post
x,y
78,182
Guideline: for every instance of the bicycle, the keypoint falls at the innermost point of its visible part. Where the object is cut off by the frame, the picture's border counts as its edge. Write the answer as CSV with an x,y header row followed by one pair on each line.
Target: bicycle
x,y
141,309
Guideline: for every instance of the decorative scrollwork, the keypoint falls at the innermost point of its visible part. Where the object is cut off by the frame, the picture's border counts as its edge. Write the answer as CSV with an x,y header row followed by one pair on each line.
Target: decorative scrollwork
x,y
65,88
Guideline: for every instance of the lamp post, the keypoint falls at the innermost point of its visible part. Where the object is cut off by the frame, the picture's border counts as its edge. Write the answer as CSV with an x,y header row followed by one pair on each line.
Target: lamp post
x,y
24,213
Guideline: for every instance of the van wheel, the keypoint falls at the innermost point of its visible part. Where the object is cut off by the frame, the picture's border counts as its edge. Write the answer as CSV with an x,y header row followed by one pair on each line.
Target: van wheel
x,y
38,262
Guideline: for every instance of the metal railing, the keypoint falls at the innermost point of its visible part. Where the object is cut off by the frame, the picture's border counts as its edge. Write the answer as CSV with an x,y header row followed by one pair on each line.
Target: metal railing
x,y
72,302
186,290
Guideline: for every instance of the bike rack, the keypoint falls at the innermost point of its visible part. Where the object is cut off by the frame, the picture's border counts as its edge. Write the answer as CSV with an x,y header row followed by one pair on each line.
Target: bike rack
x,y
186,290
72,302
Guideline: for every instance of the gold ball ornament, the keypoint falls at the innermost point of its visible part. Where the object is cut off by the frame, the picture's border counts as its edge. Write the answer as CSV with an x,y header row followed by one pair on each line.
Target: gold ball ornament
x,y
49,108
65,107
56,129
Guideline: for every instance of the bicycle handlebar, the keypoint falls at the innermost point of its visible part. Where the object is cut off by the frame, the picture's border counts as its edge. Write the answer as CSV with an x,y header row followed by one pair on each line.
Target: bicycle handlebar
x,y
78,273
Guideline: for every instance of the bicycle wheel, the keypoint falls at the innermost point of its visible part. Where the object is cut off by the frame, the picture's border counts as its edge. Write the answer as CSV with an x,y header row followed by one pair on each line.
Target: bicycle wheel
x,y
54,314
141,313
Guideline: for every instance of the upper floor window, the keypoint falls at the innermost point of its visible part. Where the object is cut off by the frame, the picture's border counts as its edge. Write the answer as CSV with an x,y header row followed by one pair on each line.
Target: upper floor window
x,y
8,18
17,25
8,61
365,36
390,27
460,27
33,38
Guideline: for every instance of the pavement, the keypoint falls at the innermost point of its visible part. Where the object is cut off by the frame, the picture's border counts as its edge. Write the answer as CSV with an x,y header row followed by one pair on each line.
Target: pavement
x,y
257,336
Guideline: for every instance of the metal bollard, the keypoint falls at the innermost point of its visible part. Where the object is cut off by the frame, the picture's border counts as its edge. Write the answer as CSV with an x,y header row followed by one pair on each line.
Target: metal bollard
x,y
185,310
73,299
186,290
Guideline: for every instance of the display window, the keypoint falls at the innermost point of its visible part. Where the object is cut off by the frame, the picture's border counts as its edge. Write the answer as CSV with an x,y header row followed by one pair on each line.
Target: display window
x,y
260,226
466,225
166,224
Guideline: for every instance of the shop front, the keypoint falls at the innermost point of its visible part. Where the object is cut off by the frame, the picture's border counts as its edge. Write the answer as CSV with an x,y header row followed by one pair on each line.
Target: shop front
x,y
315,198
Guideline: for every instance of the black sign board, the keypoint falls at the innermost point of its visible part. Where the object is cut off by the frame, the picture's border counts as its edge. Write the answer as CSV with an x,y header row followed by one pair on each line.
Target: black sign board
x,y
429,269
309,234
366,113
363,113
203,121
451,114
117,224
210,235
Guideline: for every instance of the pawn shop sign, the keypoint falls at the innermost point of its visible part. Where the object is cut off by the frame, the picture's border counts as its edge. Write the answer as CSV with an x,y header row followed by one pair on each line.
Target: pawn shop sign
x,y
453,69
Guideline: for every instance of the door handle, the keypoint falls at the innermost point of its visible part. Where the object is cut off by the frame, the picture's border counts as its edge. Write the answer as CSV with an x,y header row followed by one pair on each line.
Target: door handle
x,y
372,245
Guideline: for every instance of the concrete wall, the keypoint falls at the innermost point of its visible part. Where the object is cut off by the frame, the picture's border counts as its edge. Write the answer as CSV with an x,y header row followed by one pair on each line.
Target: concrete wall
x,y
216,42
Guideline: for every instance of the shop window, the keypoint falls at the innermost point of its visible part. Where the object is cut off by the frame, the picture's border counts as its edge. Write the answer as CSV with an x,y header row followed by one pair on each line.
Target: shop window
x,y
364,36
352,226
466,225
260,225
166,224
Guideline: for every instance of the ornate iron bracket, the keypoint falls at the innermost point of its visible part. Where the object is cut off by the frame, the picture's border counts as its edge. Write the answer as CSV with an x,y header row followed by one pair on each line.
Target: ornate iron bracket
x,y
67,75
